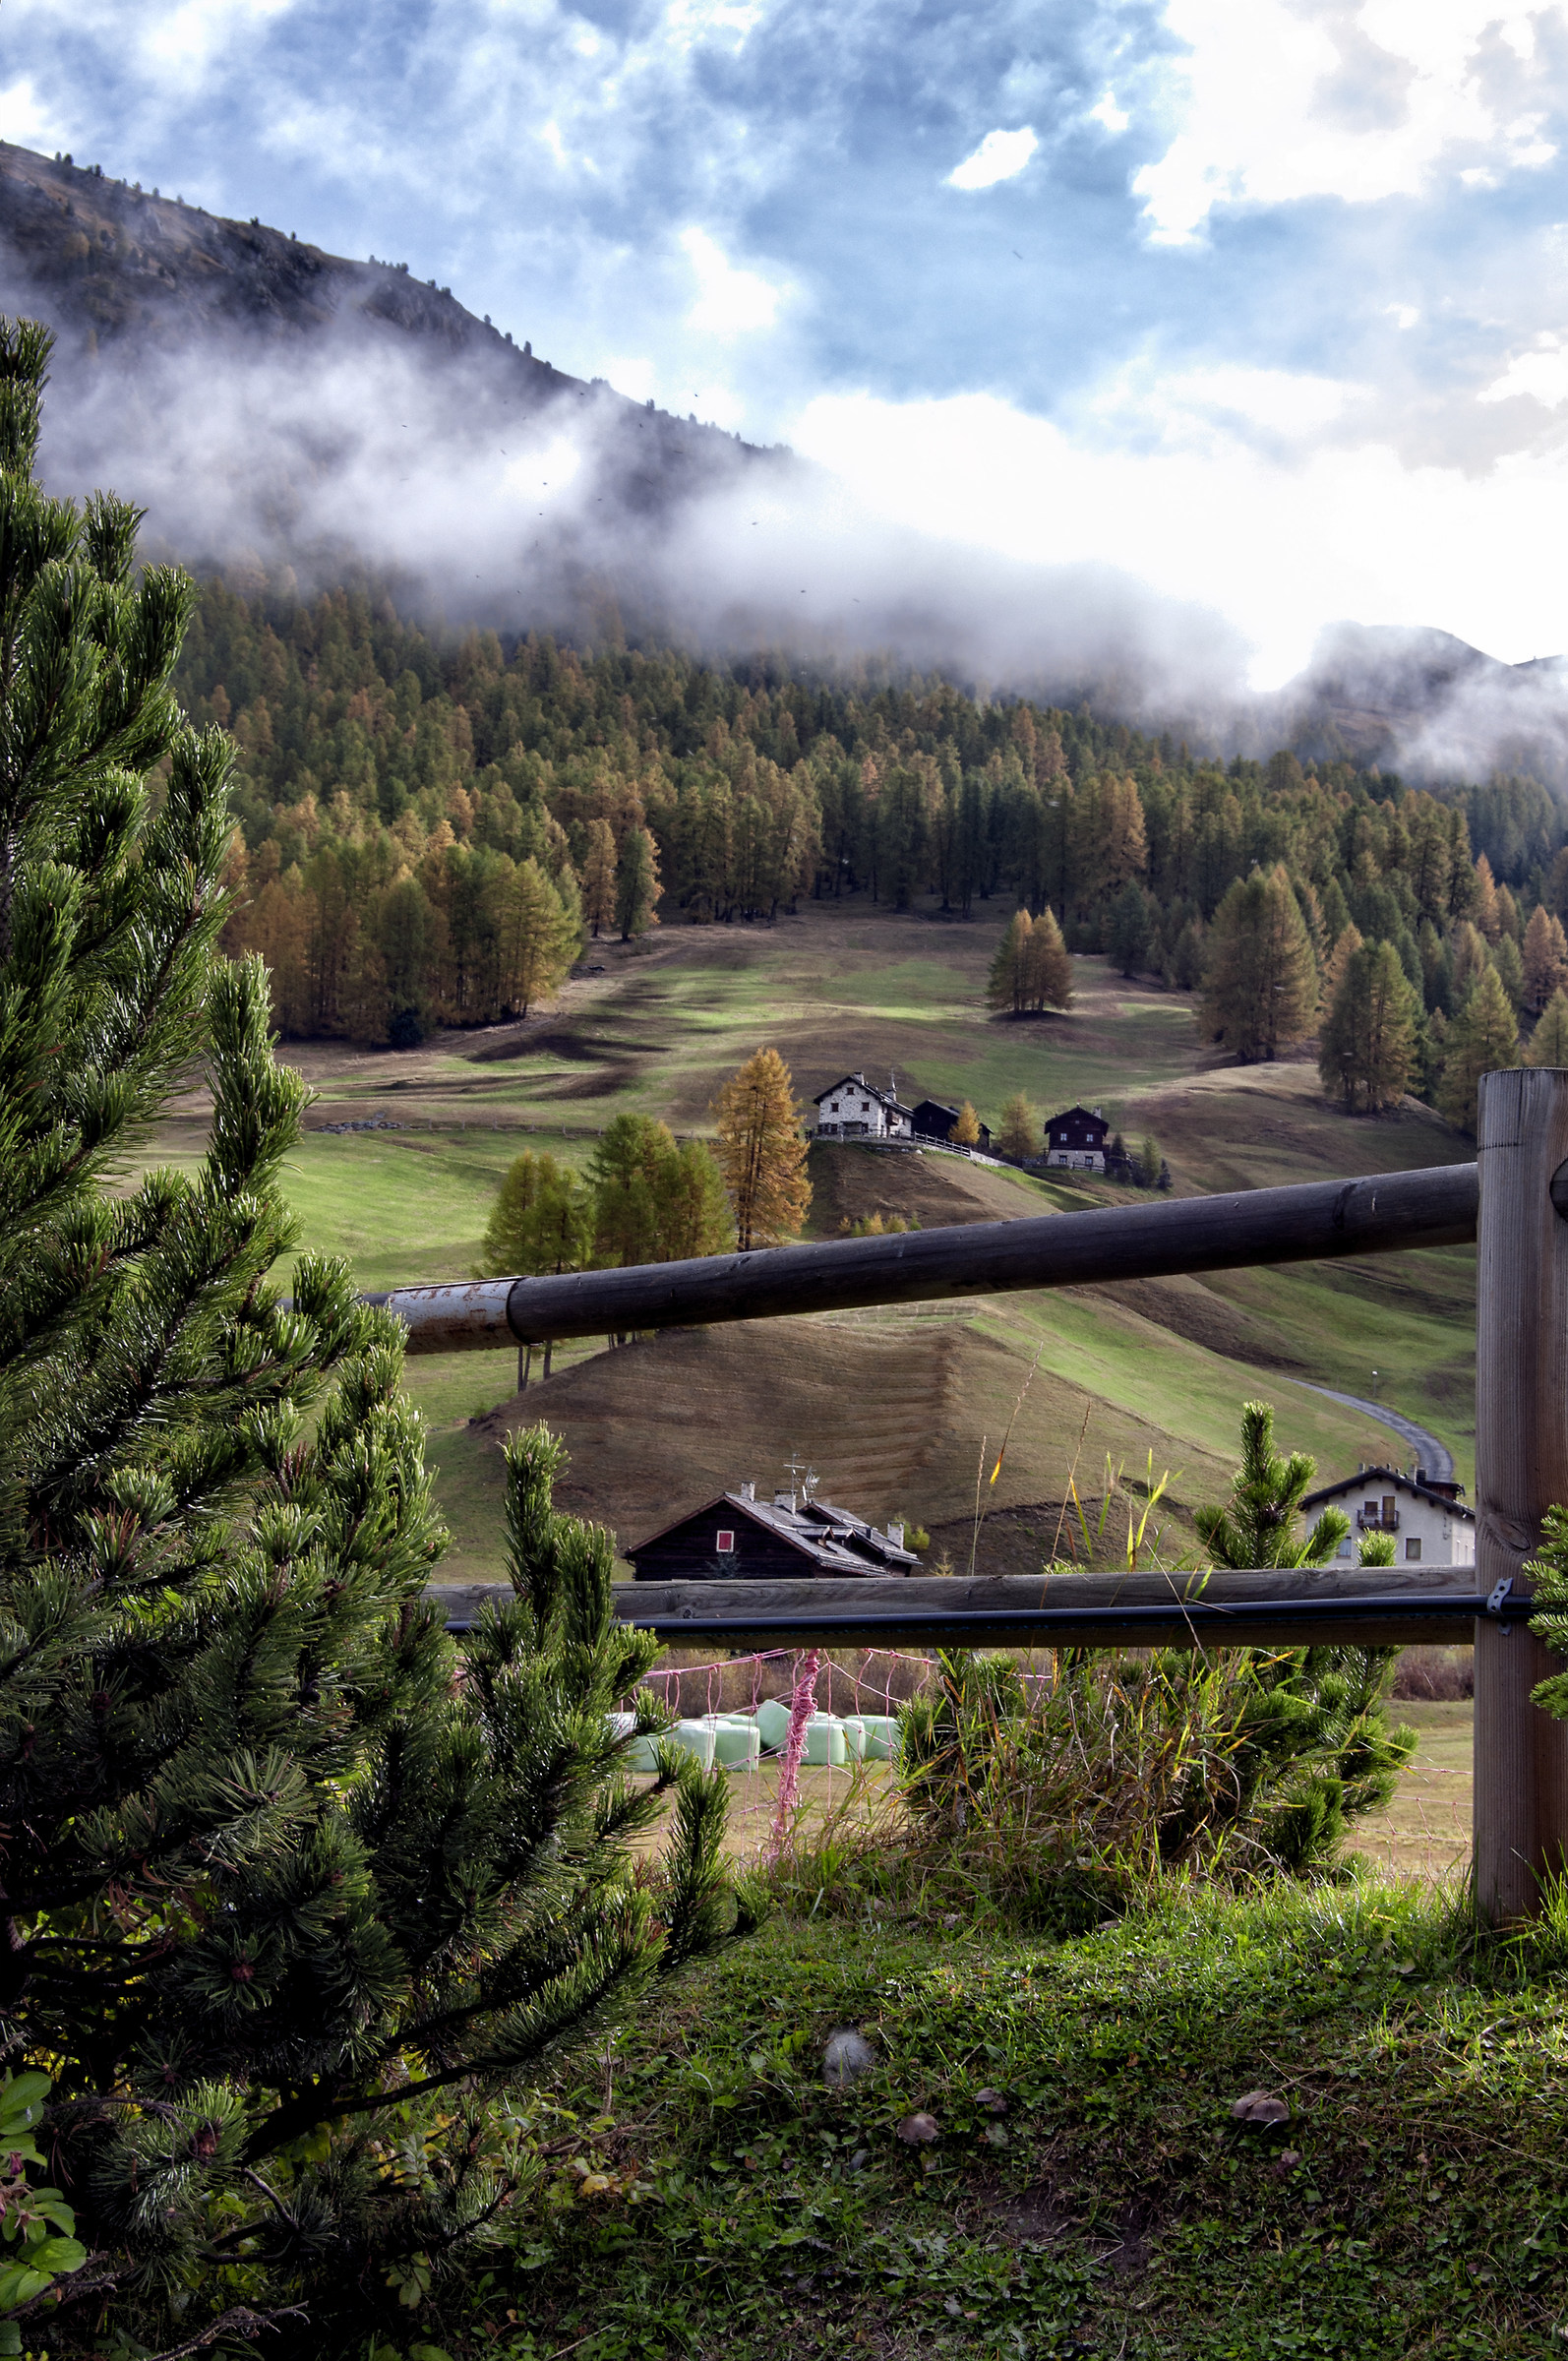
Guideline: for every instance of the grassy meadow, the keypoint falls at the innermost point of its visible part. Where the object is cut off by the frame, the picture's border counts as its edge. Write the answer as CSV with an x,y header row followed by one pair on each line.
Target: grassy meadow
x,y
703,2191
1151,1370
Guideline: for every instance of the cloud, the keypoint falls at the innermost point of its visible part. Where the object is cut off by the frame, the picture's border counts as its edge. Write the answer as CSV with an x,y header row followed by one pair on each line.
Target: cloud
x,y
1541,374
1273,299
1354,103
24,119
730,302
1279,545
1001,156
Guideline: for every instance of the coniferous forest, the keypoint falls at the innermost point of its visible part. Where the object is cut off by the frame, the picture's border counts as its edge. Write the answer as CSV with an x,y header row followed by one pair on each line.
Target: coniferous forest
x,y
430,825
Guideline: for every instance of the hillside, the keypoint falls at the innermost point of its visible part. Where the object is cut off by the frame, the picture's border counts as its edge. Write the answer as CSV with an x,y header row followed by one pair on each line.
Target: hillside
x,y
264,397
890,1409
281,365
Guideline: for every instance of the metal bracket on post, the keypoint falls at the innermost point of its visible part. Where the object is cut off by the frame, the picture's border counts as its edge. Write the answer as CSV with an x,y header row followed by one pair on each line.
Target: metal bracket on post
x,y
1494,1599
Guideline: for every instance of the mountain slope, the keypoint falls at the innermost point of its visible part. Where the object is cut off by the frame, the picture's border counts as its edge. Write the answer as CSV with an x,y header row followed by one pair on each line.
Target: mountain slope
x,y
294,385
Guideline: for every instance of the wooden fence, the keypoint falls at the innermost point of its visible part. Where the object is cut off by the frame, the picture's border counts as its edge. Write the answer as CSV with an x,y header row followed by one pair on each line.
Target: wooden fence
x,y
1513,1201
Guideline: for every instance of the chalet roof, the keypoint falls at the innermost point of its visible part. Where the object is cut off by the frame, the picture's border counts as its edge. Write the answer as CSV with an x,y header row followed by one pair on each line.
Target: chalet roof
x,y
859,1082
1368,1476
836,1541
1089,1115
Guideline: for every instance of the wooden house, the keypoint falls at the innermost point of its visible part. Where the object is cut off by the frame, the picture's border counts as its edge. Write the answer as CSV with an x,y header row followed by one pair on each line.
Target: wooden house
x,y
739,1538
1077,1138
935,1121
855,1108
1430,1523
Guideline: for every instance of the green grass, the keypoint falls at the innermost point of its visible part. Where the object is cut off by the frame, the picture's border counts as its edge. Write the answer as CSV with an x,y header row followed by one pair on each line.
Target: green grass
x,y
1414,2203
839,988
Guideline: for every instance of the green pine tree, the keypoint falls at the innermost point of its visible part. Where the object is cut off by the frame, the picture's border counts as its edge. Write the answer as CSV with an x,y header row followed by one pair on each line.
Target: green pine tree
x,y
1482,1039
1549,1044
1260,982
1131,930
542,1221
636,884
1314,1749
1369,1043
291,1884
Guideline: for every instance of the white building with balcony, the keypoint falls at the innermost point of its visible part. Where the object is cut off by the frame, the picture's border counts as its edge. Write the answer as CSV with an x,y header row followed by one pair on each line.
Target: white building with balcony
x,y
1429,1522
856,1108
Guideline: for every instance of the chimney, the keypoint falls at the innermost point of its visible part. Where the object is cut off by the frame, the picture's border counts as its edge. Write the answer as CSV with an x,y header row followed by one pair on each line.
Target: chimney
x,y
784,1500
895,1534
749,1491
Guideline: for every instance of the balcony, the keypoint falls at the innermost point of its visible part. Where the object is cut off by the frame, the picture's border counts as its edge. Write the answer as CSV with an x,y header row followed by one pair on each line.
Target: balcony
x,y
1388,1522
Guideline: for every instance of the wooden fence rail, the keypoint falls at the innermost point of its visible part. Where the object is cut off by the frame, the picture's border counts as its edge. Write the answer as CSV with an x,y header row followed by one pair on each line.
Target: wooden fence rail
x,y
1383,1214
1370,1606
1513,1200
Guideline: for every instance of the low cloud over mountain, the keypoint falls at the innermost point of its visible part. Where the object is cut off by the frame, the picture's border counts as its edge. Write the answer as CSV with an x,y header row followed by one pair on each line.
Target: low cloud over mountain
x,y
286,415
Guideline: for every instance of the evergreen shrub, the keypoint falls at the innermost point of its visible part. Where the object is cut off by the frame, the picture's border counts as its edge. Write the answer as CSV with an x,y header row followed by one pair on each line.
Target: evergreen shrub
x,y
294,1884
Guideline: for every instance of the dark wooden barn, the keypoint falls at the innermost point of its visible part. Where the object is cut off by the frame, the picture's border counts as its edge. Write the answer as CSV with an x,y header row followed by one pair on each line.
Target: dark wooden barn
x,y
934,1120
739,1538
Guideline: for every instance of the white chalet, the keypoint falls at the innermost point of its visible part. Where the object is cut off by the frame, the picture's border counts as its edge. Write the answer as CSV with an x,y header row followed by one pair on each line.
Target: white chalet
x,y
855,1108
1431,1522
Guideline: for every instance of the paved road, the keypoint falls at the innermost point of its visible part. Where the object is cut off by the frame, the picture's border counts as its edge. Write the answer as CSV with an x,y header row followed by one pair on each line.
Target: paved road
x,y
1435,1458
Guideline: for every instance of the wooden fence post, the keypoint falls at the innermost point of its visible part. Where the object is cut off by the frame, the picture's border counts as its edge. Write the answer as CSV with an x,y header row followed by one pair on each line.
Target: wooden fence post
x,y
1521,1808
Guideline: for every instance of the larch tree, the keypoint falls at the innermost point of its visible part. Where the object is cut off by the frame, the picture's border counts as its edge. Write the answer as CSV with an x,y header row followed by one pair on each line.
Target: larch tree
x,y
1032,969
636,884
1346,943
1260,986
1369,1043
965,1133
542,938
1048,965
762,1151
1506,959
293,1883
1481,1040
1549,1044
599,878
1545,959
1007,984
1018,1134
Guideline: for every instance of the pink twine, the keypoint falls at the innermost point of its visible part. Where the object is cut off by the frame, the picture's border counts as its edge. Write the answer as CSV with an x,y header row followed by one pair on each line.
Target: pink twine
x,y
801,1706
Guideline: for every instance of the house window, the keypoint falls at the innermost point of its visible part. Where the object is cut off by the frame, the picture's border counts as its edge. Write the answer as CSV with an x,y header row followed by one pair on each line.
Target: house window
x,y
1412,1554
1345,1550
1369,1511
1390,1504
724,1541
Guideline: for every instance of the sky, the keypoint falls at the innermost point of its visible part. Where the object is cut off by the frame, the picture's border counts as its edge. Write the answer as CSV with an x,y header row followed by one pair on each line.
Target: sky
x,y
1260,300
